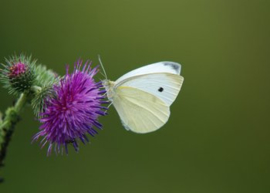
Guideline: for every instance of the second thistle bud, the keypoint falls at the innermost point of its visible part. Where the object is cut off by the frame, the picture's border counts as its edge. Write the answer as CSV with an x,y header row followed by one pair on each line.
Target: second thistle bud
x,y
17,74
20,77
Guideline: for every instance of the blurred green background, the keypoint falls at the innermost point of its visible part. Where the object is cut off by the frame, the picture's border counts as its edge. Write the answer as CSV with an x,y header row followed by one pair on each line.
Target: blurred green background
x,y
217,138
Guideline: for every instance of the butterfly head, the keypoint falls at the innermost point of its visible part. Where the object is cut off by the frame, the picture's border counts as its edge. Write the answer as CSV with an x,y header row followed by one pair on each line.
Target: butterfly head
x,y
109,86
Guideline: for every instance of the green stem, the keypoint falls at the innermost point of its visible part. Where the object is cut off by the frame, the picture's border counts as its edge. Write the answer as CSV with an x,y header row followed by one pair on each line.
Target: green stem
x,y
7,126
1,119
20,102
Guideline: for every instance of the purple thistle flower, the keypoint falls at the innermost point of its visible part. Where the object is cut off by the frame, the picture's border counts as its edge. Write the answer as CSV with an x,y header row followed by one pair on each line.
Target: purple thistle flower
x,y
74,110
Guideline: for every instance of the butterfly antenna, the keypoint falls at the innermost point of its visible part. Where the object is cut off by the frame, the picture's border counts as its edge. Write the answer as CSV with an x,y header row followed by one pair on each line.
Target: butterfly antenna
x,y
102,75
99,59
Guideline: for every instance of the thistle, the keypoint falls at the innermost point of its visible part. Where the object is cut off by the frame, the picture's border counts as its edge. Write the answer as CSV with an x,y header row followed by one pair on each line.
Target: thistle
x,y
68,108
73,110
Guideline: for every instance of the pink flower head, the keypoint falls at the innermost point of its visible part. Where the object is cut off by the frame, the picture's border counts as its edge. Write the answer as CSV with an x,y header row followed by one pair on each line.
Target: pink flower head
x,y
17,69
74,110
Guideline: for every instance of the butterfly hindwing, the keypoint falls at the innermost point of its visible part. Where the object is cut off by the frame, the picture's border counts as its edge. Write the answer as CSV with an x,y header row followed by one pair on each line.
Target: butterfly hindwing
x,y
140,111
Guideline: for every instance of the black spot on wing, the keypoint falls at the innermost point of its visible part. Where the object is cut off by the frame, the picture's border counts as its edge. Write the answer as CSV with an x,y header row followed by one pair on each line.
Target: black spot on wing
x,y
173,65
160,89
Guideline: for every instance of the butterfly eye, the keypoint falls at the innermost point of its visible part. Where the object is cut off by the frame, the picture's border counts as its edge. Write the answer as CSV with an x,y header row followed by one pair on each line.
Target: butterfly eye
x,y
160,89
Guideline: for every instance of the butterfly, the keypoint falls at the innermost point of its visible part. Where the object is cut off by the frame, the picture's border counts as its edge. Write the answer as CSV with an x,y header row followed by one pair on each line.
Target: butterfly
x,y
142,97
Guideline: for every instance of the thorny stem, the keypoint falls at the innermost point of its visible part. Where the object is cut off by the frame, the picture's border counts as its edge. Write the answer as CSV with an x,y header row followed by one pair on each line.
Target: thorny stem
x,y
7,126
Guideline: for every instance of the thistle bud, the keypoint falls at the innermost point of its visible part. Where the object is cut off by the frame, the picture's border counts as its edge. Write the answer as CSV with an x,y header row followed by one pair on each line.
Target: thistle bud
x,y
17,74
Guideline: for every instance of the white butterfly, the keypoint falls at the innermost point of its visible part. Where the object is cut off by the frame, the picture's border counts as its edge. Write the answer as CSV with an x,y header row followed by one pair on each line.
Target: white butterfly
x,y
143,96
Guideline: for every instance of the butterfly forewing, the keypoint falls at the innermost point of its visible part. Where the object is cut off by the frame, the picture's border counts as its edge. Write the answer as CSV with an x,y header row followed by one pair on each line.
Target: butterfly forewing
x,y
159,67
165,86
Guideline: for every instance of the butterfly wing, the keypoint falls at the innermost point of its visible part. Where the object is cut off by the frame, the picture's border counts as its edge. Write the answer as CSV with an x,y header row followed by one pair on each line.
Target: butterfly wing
x,y
143,96
140,111
159,67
